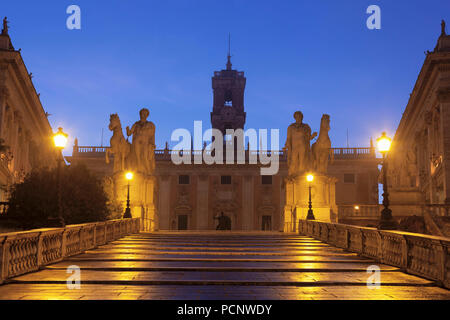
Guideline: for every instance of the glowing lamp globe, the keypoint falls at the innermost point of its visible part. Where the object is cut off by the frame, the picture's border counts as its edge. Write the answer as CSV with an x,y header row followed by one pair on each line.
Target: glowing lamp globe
x,y
129,176
384,143
309,178
60,139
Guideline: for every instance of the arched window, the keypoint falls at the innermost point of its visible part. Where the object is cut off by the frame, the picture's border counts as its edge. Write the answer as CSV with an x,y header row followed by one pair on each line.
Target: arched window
x,y
228,98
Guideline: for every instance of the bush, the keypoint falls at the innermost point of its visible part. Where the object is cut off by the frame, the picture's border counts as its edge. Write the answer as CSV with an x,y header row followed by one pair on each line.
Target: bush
x,y
34,202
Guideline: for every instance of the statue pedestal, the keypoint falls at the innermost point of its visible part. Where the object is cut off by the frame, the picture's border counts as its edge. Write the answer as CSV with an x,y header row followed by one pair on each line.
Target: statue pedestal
x,y
142,198
323,195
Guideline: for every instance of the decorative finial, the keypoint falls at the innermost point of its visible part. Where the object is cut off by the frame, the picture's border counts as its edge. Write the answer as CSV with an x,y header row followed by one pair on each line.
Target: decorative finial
x,y
229,52
5,26
443,28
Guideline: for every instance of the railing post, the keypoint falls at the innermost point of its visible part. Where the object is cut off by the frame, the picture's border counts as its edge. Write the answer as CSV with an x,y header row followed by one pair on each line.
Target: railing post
x,y
40,250
446,263
3,259
64,243
441,263
6,257
94,232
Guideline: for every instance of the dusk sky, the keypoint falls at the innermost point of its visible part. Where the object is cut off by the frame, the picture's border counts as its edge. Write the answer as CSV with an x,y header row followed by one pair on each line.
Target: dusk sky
x,y
314,56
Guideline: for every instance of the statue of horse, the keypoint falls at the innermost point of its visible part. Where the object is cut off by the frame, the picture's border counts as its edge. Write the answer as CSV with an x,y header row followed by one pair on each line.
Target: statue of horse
x,y
119,146
321,148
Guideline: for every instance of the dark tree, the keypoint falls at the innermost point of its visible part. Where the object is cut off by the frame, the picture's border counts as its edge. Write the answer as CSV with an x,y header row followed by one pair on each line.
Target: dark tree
x,y
34,202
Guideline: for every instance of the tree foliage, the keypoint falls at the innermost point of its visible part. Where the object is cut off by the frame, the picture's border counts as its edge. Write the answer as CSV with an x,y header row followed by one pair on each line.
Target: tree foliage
x,y
34,202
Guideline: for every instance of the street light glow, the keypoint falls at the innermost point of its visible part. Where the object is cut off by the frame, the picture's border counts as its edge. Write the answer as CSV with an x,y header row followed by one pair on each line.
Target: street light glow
x,y
60,139
384,143
129,176
309,178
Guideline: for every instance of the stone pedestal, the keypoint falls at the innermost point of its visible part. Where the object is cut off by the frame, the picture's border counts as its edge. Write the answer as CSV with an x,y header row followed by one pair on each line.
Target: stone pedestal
x,y
323,195
142,198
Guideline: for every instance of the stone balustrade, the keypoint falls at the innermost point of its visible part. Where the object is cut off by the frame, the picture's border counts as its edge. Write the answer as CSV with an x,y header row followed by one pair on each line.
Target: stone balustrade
x,y
165,154
23,252
422,255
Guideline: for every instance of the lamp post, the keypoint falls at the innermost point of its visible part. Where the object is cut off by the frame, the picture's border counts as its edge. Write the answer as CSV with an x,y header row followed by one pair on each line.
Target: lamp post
x,y
386,222
127,214
310,215
60,140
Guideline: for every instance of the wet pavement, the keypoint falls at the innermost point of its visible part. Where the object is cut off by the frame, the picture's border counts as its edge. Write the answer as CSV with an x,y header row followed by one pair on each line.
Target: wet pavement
x,y
212,265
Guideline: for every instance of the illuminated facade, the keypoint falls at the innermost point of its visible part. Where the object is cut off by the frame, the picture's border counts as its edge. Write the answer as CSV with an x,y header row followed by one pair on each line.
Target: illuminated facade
x,y
419,160
24,128
192,196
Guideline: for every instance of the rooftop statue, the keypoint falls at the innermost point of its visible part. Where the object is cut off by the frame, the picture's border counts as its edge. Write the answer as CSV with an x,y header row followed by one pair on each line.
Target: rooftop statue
x,y
321,148
298,146
5,26
143,144
443,28
119,146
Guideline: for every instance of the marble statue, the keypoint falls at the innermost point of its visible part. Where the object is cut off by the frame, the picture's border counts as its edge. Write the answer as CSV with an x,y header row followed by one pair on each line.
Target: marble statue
x,y
143,144
321,148
119,146
298,146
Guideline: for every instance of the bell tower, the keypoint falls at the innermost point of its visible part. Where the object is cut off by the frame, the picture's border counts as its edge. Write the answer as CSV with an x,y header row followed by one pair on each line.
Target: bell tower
x,y
228,106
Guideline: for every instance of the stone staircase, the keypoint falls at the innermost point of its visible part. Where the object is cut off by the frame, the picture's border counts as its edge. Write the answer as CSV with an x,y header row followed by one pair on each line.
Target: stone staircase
x,y
219,265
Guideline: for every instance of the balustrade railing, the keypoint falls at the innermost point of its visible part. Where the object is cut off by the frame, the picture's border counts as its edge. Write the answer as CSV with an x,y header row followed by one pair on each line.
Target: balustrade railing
x,y
442,210
365,211
165,154
23,252
418,254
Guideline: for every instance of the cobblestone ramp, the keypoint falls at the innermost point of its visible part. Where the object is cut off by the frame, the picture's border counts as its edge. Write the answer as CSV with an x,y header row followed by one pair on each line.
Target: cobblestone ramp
x,y
219,266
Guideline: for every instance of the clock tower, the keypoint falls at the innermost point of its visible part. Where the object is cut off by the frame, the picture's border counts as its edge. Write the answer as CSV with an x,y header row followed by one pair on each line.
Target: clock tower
x,y
228,106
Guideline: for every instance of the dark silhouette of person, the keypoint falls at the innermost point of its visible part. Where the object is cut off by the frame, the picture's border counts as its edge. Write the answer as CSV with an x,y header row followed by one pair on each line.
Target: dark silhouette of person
x,y
224,222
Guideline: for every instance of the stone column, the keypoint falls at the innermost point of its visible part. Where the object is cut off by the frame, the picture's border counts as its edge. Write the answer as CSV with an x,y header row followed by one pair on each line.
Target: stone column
x,y
444,100
282,188
164,203
248,208
3,98
202,202
13,141
289,207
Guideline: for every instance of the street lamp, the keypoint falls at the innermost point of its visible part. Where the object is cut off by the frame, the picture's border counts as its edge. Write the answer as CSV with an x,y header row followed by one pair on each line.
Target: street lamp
x,y
127,214
310,215
60,140
386,222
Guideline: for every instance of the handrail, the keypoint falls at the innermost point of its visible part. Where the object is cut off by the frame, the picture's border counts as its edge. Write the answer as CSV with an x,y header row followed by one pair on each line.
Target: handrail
x,y
419,254
27,251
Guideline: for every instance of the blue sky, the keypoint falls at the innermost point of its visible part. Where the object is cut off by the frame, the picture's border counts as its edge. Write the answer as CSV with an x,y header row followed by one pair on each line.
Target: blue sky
x,y
316,56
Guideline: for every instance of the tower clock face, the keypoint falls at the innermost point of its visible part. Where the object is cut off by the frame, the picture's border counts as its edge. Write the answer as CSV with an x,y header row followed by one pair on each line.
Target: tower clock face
x,y
228,113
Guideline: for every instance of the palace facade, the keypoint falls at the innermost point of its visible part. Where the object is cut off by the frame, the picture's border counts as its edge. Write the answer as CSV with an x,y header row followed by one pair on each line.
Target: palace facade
x,y
419,163
25,133
192,196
